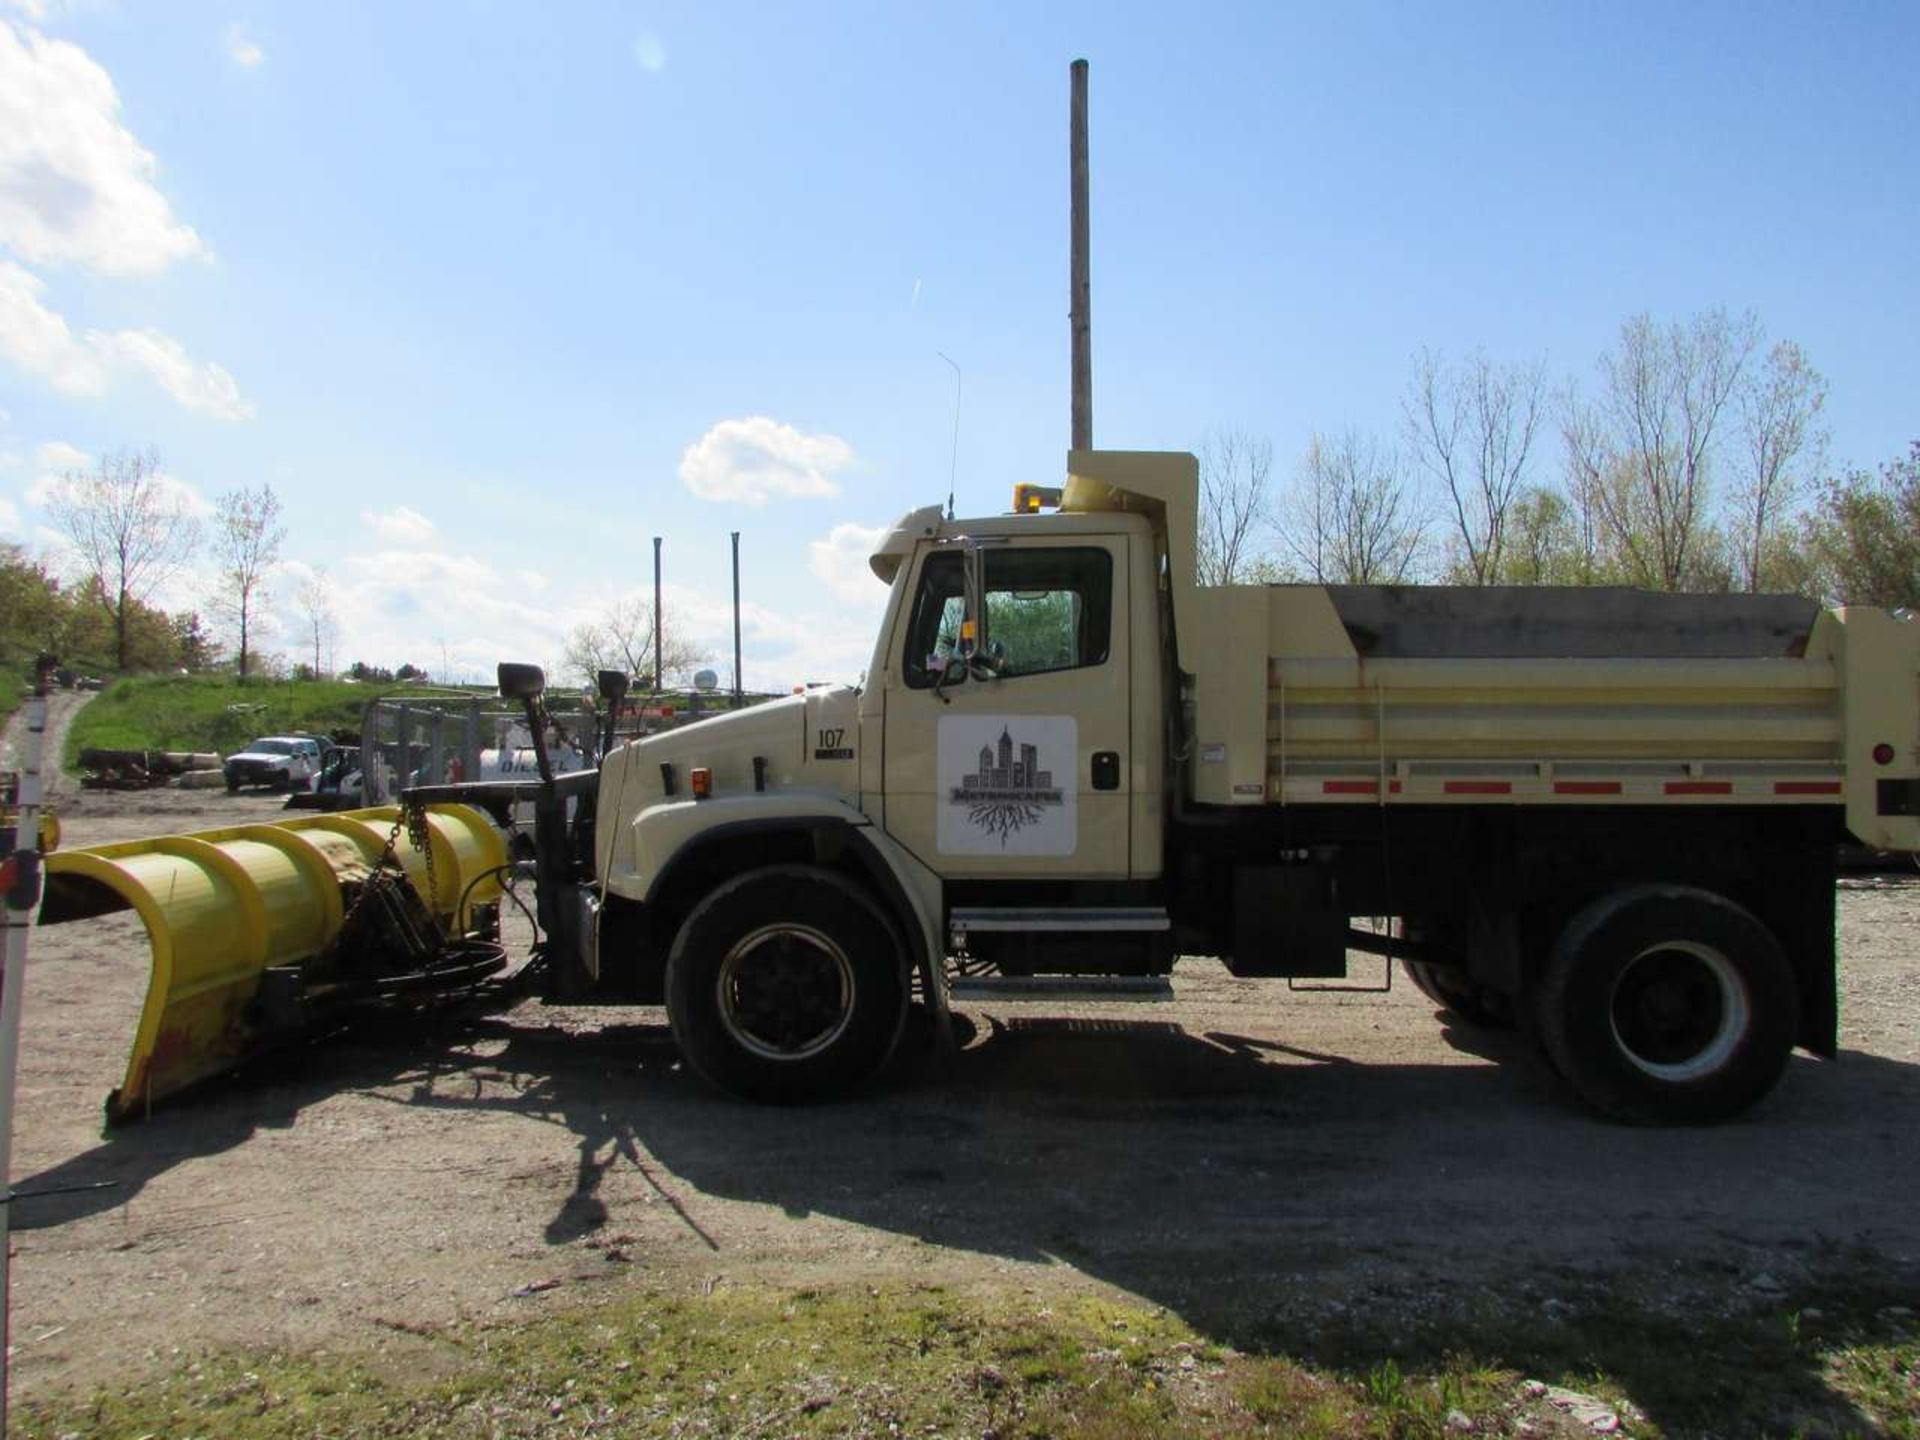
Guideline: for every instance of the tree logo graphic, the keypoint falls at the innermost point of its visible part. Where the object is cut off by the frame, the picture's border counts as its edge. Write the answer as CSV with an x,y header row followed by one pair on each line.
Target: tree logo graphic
x,y
1009,791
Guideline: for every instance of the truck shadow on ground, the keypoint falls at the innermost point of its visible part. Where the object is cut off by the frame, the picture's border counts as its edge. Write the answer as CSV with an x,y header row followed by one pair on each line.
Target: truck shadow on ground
x,y
1284,1200
1274,1197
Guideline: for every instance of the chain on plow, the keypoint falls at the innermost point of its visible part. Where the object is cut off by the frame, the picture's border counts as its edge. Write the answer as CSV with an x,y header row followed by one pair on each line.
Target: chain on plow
x,y
392,940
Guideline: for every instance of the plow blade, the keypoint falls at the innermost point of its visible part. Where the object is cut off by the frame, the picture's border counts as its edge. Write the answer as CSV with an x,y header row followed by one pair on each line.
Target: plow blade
x,y
223,907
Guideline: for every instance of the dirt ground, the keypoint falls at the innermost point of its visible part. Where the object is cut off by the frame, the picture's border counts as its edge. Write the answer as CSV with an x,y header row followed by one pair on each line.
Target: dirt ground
x,y
1243,1153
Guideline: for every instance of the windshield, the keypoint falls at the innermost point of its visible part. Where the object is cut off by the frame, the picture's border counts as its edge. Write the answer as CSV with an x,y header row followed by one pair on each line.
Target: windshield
x,y
272,747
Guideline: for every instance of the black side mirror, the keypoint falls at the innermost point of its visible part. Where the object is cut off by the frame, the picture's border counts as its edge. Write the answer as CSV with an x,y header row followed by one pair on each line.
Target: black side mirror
x,y
613,685
521,682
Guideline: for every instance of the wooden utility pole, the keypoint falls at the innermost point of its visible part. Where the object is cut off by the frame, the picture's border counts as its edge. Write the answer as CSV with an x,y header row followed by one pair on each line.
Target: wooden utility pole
x,y
659,630
737,688
1080,316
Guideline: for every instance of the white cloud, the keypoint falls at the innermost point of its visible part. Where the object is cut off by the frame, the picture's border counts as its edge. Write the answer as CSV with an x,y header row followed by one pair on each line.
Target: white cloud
x,y
51,462
649,54
400,526
750,459
40,341
9,517
196,385
75,186
242,51
840,563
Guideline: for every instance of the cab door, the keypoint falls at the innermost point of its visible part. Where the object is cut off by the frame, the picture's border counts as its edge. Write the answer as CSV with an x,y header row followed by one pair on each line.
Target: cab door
x,y
1014,765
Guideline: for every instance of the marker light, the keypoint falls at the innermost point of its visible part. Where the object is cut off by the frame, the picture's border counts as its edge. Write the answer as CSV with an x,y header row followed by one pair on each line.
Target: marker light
x,y
700,781
1883,754
1029,499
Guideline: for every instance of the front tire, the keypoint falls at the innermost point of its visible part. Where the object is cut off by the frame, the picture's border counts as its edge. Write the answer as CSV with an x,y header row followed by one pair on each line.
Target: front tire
x,y
786,984
1666,1005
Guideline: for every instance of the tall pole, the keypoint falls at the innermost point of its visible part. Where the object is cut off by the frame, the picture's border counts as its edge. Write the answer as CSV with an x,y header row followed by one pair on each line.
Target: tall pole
x,y
1080,316
738,692
658,629
19,894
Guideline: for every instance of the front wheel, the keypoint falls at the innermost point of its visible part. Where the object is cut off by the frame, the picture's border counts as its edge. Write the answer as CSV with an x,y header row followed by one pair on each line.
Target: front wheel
x,y
786,984
1666,1005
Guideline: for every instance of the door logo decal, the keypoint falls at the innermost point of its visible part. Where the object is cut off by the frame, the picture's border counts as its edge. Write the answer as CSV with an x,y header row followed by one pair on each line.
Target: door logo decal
x,y
1006,784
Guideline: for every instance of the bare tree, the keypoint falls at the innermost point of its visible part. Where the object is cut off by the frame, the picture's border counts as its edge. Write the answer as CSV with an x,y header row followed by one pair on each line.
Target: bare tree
x,y
246,539
1352,519
1780,441
316,608
623,639
1235,505
132,531
1472,428
1642,455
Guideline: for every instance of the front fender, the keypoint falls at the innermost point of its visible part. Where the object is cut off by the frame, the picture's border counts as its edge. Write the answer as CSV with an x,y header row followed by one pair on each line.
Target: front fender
x,y
665,833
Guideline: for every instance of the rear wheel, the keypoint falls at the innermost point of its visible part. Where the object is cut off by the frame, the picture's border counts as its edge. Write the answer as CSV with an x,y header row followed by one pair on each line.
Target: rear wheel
x,y
1668,1005
786,984
1464,998
1448,985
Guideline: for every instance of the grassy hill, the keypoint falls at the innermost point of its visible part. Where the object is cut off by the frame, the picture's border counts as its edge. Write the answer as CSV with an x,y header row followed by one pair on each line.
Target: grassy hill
x,y
211,712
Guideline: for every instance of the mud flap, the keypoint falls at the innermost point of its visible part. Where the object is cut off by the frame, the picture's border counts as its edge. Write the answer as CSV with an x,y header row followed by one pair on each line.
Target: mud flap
x,y
221,907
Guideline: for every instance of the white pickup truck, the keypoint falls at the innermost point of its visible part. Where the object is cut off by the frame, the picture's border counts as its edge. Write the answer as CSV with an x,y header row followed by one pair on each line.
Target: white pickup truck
x,y
283,762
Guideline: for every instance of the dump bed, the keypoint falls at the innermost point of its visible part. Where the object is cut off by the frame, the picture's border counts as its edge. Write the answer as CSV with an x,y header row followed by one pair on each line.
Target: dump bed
x,y
1308,694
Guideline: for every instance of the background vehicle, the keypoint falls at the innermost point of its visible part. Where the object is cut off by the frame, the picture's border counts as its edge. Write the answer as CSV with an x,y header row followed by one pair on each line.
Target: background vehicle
x,y
284,762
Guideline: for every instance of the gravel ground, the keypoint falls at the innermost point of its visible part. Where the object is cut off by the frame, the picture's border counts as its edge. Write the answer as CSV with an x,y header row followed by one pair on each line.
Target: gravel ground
x,y
1243,1153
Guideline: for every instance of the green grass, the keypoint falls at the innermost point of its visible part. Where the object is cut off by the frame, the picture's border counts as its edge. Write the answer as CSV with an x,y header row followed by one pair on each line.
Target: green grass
x,y
211,712
925,1361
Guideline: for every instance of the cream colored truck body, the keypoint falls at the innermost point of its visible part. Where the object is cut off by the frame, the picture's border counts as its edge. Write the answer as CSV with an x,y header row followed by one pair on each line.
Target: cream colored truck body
x,y
1224,764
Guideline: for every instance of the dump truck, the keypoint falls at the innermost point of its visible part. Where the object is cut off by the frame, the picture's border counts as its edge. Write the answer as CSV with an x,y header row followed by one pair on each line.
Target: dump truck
x,y
1606,816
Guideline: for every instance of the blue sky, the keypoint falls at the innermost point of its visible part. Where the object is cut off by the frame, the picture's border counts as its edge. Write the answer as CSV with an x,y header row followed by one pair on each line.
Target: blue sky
x,y
492,294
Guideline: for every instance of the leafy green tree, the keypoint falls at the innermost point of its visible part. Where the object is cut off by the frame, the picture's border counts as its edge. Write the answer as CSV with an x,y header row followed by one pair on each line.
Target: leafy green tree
x,y
1866,535
33,609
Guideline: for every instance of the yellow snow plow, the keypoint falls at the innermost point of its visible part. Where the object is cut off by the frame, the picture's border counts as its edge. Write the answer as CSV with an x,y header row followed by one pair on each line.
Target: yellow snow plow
x,y
260,933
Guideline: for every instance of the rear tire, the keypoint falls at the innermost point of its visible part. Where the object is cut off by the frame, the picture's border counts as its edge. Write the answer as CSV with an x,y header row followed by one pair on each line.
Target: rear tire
x,y
786,984
1461,997
1665,1005
1449,985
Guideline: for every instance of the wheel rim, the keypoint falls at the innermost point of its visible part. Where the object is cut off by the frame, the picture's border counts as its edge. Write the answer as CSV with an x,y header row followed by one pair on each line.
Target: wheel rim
x,y
785,992
1678,1010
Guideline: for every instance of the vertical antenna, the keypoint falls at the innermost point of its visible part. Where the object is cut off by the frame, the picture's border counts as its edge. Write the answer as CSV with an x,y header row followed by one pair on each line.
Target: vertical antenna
x,y
1080,314
953,466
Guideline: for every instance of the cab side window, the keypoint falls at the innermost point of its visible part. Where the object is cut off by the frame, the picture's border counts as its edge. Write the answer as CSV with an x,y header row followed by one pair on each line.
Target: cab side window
x,y
1048,609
